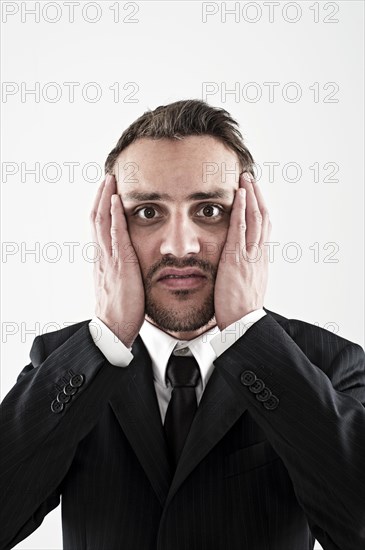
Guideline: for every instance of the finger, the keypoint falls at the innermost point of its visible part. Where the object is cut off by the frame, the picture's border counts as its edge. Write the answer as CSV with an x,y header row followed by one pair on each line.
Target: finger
x,y
253,214
97,200
103,216
122,247
236,235
266,224
94,209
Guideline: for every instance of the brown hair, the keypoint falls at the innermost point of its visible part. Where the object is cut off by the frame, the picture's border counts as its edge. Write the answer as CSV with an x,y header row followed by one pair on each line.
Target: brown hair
x,y
185,118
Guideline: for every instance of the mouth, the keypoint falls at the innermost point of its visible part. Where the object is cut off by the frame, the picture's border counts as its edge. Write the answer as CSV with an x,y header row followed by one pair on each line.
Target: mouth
x,y
187,278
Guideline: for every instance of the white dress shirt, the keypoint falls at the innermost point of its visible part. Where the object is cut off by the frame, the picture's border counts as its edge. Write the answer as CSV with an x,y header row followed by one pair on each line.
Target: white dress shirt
x,y
205,348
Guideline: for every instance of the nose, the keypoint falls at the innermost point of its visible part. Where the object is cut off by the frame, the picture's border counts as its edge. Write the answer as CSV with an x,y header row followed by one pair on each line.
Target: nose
x,y
180,236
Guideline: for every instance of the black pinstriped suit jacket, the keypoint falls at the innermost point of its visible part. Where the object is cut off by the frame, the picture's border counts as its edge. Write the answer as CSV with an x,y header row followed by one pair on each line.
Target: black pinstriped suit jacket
x,y
251,476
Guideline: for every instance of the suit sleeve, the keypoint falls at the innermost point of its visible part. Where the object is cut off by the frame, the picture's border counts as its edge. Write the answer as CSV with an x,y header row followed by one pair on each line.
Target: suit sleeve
x,y
312,412
55,403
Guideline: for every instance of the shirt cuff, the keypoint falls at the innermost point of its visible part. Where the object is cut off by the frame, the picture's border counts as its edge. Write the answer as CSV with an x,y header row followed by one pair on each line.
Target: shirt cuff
x,y
109,344
225,338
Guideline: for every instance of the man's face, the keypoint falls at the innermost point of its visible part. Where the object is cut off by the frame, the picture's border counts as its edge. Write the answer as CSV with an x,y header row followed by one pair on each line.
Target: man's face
x,y
175,230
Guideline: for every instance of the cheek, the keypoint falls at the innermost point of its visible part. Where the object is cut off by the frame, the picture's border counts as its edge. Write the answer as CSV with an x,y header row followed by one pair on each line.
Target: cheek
x,y
147,251
212,246
144,256
140,239
212,258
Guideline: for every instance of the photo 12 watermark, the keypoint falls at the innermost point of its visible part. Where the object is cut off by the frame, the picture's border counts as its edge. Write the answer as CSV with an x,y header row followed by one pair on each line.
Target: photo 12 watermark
x,y
72,251
69,92
270,12
73,171
25,331
275,172
51,13
271,92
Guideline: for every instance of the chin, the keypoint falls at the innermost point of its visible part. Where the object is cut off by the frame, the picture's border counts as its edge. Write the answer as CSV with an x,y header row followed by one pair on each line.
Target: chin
x,y
185,314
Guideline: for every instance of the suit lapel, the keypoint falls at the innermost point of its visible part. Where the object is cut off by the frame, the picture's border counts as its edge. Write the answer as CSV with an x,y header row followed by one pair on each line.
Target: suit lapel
x,y
218,410
135,405
136,408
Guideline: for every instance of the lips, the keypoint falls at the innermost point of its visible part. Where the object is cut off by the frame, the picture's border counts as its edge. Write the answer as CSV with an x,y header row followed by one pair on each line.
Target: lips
x,y
180,274
191,279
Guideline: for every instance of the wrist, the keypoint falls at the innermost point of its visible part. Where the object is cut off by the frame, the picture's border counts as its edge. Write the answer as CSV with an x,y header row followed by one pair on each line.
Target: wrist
x,y
124,331
234,318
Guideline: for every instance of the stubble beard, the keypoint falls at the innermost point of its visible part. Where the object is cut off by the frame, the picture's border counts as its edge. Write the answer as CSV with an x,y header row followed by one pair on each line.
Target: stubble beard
x,y
187,310
182,318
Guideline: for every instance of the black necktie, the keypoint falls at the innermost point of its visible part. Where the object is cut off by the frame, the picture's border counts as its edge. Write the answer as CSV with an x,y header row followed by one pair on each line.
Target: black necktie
x,y
184,374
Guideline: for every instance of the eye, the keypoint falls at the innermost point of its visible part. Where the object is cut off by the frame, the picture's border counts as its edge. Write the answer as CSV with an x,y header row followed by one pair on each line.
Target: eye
x,y
207,209
150,212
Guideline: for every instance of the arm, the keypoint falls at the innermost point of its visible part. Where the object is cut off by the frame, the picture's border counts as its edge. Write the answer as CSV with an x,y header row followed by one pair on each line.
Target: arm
x,y
316,422
39,435
59,396
310,404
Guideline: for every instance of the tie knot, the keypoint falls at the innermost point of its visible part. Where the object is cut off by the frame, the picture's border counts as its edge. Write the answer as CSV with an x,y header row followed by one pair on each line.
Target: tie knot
x,y
183,371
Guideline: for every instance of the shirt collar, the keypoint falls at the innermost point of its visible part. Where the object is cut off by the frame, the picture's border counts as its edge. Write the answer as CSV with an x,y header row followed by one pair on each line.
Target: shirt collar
x,y
160,345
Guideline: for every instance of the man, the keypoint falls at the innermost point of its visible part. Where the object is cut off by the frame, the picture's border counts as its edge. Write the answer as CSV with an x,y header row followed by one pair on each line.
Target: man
x,y
186,415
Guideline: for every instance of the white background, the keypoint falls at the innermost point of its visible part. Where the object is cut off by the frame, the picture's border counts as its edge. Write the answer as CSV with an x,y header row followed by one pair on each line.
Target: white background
x,y
168,52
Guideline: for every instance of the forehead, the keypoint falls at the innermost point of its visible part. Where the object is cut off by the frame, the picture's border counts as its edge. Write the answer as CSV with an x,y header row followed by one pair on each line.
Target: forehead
x,y
192,164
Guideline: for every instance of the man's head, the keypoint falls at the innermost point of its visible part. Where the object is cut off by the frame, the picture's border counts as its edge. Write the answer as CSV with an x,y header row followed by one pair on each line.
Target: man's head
x,y
177,169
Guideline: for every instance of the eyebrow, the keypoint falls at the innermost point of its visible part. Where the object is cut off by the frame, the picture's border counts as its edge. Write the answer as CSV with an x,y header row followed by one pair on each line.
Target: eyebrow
x,y
141,196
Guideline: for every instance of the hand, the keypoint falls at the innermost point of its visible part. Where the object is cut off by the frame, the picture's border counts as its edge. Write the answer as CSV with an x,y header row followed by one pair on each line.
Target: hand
x,y
120,299
242,273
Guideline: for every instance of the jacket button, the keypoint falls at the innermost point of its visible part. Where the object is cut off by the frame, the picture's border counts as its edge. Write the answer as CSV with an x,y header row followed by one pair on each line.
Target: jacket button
x,y
271,403
248,377
69,390
56,406
63,398
264,395
77,380
257,386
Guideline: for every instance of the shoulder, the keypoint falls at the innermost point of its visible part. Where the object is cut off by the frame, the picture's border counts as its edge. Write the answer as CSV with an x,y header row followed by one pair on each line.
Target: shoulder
x,y
320,345
44,344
